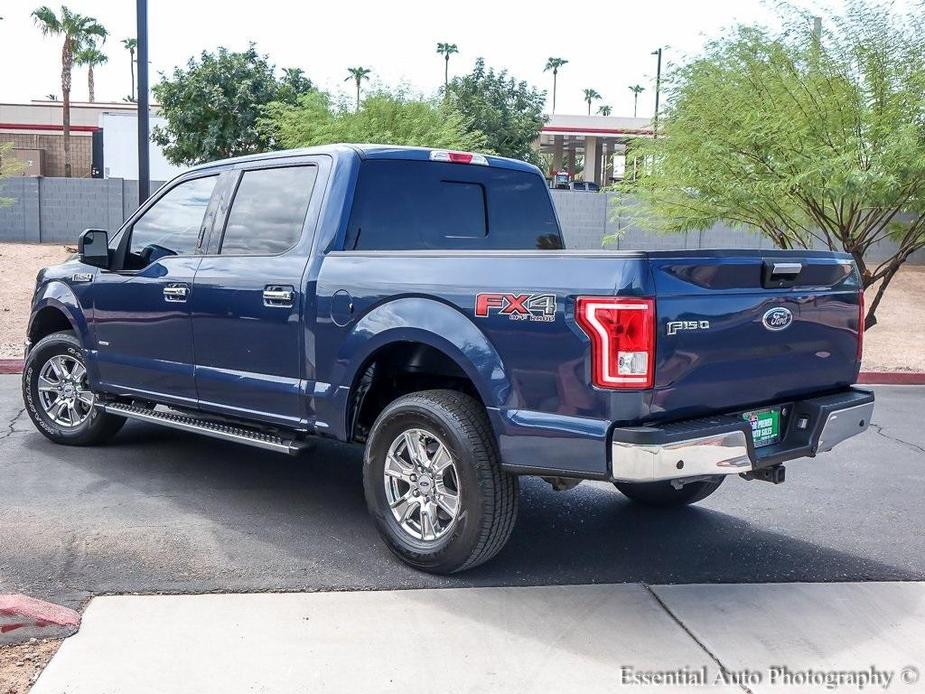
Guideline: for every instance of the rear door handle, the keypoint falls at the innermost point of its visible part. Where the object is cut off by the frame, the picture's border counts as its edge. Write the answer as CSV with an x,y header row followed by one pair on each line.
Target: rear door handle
x,y
276,296
176,293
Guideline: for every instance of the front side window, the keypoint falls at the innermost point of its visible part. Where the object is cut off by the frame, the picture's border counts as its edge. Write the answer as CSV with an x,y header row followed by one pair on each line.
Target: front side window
x,y
171,226
268,211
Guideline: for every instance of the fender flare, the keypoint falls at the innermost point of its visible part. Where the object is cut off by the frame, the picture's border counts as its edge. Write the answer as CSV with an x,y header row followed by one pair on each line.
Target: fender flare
x,y
60,296
433,323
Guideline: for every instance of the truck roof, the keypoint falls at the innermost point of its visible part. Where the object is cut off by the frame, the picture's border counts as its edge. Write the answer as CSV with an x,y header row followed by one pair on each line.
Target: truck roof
x,y
364,151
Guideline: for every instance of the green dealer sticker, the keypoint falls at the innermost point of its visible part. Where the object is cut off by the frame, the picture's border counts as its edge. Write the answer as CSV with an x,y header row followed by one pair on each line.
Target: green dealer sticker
x,y
765,426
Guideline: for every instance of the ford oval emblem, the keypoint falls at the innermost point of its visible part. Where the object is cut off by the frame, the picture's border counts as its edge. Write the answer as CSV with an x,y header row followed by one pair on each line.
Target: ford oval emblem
x,y
777,318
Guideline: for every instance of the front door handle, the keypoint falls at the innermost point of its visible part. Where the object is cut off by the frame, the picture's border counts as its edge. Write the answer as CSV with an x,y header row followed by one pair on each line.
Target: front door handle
x,y
176,293
276,296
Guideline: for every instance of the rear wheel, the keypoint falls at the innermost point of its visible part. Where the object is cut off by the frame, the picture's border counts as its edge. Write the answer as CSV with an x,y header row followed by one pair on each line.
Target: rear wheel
x,y
57,394
664,495
434,484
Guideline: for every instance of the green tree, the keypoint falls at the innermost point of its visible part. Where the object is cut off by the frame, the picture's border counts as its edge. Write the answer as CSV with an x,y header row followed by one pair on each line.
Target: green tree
x,y
77,31
591,95
637,89
604,110
806,141
9,166
382,117
293,85
212,105
358,74
508,111
131,45
554,64
90,56
446,50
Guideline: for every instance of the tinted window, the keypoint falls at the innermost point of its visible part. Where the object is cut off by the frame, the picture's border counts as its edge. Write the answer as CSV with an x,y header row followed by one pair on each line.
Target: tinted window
x,y
408,205
174,221
268,211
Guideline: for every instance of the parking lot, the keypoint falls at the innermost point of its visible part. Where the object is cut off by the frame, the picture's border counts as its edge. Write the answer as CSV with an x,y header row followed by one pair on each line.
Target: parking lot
x,y
161,511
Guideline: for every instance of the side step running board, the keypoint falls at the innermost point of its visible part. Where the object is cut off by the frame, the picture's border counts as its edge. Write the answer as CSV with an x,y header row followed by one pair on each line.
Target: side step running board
x,y
218,430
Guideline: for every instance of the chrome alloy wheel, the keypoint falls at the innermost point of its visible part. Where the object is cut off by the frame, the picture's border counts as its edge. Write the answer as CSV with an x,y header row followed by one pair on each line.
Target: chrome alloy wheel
x,y
421,485
64,391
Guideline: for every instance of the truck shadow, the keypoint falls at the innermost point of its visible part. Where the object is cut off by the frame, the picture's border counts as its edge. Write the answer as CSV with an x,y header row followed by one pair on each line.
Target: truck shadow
x,y
171,512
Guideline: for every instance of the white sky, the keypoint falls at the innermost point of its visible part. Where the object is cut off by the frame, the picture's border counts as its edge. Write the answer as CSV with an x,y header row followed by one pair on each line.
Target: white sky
x,y
608,43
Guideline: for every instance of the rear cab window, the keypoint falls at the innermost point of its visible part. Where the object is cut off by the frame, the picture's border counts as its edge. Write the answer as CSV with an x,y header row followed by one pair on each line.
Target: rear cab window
x,y
423,205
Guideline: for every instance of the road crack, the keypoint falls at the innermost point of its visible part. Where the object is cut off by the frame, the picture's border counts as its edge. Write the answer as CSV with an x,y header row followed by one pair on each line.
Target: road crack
x,y
12,424
728,675
879,429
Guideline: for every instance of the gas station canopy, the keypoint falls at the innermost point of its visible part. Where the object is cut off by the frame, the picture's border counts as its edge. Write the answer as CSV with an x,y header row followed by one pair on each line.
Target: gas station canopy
x,y
597,138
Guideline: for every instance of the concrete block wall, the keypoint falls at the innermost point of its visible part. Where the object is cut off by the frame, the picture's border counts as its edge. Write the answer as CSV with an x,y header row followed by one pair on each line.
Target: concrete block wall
x,y
56,210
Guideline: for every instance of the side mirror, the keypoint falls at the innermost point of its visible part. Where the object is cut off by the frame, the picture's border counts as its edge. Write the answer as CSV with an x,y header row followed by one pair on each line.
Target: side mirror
x,y
93,248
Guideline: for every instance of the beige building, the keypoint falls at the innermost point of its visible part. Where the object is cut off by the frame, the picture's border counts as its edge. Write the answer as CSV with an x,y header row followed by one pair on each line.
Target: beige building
x,y
36,131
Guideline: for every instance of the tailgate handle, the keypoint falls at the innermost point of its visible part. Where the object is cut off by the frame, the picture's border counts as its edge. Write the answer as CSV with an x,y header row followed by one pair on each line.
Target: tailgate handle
x,y
777,275
786,269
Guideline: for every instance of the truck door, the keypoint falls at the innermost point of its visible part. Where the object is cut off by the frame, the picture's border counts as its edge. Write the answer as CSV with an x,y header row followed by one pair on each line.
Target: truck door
x,y
249,299
141,318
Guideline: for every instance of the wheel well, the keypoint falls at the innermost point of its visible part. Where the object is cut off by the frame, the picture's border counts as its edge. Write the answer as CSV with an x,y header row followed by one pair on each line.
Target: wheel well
x,y
47,321
395,370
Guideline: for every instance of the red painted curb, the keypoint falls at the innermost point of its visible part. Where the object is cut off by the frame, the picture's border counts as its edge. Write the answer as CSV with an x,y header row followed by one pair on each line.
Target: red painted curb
x,y
11,366
892,378
22,618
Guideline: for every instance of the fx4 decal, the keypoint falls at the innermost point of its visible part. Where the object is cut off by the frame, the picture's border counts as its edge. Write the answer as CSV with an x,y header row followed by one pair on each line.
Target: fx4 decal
x,y
532,307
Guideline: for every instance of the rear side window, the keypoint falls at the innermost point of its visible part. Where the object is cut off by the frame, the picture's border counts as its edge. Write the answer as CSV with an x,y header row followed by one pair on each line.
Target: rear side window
x,y
268,211
419,205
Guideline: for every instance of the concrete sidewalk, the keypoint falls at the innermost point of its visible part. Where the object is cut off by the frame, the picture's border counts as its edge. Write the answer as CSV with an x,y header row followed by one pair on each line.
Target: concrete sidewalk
x,y
592,638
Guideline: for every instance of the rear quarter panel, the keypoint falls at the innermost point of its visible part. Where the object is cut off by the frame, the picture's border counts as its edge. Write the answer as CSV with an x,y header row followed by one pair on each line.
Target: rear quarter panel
x,y
532,376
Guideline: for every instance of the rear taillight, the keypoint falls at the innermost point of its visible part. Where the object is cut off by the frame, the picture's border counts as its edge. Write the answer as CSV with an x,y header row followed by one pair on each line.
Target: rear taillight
x,y
622,333
861,318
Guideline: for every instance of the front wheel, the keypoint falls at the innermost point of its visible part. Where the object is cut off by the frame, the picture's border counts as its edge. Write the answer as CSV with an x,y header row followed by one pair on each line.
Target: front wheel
x,y
57,394
434,483
664,495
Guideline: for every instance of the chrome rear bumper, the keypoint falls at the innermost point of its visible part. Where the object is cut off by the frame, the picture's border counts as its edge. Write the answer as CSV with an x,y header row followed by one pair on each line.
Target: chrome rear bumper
x,y
723,445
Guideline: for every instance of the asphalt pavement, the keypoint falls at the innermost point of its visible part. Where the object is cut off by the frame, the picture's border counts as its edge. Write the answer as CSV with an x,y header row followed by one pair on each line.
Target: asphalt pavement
x,y
160,511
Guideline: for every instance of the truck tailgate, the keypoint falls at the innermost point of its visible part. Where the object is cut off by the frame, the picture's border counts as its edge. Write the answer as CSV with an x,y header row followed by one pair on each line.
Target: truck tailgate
x,y
737,329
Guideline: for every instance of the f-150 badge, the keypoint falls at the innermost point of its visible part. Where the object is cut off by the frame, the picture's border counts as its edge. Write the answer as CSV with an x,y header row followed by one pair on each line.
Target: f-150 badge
x,y
532,307
676,326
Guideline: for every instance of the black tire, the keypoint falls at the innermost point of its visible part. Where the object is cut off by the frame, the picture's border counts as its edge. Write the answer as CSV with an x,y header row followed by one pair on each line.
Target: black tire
x,y
98,425
663,495
487,496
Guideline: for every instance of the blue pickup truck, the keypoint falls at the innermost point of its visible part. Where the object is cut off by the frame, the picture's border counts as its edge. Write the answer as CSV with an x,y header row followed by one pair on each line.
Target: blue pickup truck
x,y
421,302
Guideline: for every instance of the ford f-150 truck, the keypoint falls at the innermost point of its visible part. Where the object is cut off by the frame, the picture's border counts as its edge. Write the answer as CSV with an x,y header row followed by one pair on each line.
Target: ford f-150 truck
x,y
420,302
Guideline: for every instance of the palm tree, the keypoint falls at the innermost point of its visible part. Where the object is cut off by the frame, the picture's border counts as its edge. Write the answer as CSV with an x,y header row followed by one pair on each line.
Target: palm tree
x,y
637,89
51,97
446,50
591,95
91,56
604,110
358,74
131,45
78,31
554,64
